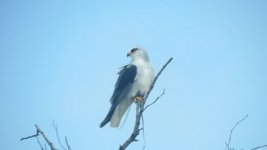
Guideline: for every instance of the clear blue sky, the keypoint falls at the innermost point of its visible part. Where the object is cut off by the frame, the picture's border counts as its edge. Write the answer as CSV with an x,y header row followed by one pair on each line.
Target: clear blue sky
x,y
59,59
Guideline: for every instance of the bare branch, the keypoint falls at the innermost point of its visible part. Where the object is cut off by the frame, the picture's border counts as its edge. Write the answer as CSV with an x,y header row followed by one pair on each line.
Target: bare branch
x,y
39,131
227,147
259,147
156,78
140,109
154,100
58,139
45,138
31,136
39,143
136,130
67,143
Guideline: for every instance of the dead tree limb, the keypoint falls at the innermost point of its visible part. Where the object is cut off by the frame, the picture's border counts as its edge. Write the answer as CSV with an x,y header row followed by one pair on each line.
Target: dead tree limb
x,y
140,107
40,132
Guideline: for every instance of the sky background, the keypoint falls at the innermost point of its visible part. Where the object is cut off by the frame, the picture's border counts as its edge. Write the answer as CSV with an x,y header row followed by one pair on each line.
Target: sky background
x,y
59,59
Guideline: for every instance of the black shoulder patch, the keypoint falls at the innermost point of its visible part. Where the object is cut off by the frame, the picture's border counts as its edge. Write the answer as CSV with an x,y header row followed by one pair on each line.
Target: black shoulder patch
x,y
126,76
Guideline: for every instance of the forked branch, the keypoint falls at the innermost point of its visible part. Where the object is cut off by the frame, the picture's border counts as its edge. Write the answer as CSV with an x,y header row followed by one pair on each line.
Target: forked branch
x,y
40,132
51,145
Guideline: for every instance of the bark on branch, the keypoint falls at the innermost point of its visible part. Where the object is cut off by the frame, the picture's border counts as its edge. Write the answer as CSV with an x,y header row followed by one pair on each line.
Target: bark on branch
x,y
140,108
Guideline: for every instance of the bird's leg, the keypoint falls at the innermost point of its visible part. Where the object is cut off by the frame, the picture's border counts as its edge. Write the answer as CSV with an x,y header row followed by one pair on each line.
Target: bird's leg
x,y
138,98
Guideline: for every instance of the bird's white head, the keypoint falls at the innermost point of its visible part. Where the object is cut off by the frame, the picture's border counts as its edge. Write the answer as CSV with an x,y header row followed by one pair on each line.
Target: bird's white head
x,y
138,53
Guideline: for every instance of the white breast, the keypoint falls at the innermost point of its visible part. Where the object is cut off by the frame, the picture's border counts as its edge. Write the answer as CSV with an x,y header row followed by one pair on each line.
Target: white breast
x,y
143,79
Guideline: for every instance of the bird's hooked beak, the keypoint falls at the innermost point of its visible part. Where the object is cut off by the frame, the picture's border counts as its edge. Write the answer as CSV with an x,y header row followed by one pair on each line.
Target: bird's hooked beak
x,y
129,54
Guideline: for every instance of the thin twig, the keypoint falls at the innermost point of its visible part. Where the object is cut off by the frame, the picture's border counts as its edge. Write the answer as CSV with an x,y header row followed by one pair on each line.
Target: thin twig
x,y
140,110
39,143
31,136
227,147
259,147
154,100
58,139
143,127
67,143
124,121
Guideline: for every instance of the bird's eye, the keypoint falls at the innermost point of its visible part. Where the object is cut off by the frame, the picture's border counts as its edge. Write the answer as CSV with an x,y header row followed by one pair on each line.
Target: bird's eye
x,y
133,50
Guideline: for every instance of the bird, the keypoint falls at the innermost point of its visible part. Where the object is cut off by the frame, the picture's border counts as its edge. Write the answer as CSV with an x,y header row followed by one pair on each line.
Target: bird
x,y
133,83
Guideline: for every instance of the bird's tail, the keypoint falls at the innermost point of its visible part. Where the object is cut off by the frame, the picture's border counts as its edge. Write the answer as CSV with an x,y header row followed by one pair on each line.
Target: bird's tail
x,y
108,117
119,112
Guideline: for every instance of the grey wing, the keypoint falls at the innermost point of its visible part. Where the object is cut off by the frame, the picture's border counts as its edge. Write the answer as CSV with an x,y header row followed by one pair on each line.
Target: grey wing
x,y
123,85
124,82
